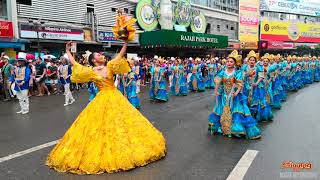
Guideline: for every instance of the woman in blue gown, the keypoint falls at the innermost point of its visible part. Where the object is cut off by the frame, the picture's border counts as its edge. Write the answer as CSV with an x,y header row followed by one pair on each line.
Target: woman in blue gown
x,y
196,80
254,78
179,82
276,86
316,69
158,88
212,71
231,115
131,89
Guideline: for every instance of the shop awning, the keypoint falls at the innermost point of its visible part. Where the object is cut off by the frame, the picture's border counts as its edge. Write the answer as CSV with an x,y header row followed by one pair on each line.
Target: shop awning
x,y
168,38
12,43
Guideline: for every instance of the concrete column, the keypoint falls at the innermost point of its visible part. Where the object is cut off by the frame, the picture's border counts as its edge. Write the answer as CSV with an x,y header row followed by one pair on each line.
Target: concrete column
x,y
13,16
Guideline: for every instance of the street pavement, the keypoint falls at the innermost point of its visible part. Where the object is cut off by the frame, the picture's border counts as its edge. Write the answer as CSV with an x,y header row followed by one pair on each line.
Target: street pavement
x,y
192,153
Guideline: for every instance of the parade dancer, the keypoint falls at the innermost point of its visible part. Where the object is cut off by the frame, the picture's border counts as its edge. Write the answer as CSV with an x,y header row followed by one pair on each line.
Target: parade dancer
x,y
158,88
212,71
110,135
317,69
257,101
21,80
231,115
65,74
196,80
179,82
130,89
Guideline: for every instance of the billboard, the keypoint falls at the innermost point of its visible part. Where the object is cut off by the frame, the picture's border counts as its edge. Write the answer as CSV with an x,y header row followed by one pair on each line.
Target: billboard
x,y
51,32
304,7
249,24
290,31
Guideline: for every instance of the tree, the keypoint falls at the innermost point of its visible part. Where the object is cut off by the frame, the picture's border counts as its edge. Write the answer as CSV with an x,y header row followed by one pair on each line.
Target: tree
x,y
316,51
304,50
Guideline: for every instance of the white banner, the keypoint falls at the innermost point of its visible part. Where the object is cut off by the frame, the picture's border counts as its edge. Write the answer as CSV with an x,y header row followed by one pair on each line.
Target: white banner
x,y
304,7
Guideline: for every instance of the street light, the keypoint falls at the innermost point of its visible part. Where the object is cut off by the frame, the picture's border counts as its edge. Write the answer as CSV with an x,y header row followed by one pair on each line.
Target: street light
x,y
37,25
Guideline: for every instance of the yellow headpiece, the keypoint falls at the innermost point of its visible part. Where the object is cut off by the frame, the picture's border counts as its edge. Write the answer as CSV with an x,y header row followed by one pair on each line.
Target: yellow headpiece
x,y
252,54
198,59
266,56
234,54
271,57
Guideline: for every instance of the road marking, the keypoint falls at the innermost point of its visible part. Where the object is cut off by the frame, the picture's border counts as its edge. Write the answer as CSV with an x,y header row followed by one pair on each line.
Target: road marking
x,y
21,153
243,165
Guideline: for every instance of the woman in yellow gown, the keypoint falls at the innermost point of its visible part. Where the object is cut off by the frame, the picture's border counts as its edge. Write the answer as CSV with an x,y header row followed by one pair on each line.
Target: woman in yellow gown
x,y
109,135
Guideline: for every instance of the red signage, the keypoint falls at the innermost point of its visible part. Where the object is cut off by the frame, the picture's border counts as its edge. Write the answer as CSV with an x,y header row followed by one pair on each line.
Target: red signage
x,y
6,29
275,44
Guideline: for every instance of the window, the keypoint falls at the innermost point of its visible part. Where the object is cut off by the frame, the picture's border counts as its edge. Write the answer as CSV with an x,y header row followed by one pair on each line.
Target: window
x,y
26,2
90,8
218,28
126,10
227,26
114,9
131,12
232,28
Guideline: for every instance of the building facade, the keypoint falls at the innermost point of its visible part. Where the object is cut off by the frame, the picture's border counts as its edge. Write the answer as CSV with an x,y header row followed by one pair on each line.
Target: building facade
x,y
49,24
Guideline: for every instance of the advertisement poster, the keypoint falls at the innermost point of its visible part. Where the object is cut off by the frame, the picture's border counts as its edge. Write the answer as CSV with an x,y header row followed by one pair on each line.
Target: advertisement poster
x,y
249,24
290,31
52,32
304,7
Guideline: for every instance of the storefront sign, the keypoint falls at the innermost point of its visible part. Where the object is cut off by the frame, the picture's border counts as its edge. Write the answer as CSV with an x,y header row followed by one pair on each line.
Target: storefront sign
x,y
289,31
186,39
199,24
249,23
51,32
305,7
275,44
106,37
6,29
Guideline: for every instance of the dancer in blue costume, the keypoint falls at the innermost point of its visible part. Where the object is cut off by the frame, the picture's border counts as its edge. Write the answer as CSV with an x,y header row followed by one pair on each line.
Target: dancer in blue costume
x,y
280,80
212,72
231,115
158,88
254,78
179,82
292,86
268,76
312,66
276,82
131,89
120,82
196,80
298,76
284,73
316,69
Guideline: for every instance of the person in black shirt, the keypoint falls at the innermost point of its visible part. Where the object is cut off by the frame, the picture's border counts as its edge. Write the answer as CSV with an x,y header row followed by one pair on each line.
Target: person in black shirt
x,y
40,77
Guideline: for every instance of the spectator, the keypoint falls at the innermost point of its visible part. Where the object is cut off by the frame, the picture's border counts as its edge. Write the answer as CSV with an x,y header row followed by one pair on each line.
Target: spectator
x,y
7,70
40,77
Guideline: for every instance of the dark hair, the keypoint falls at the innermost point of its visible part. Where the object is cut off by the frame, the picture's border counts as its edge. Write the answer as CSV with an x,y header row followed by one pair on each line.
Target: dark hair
x,y
234,59
90,59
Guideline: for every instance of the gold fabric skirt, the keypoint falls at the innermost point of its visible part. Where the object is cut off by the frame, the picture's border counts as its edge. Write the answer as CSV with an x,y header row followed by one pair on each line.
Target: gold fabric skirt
x,y
109,135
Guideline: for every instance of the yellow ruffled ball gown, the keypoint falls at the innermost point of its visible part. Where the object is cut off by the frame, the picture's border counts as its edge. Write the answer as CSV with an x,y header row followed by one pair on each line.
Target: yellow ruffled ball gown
x,y
109,135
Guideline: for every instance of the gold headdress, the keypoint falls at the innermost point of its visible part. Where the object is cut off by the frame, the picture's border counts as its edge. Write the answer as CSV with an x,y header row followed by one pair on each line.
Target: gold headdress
x,y
124,29
234,54
198,59
266,56
271,57
86,57
252,54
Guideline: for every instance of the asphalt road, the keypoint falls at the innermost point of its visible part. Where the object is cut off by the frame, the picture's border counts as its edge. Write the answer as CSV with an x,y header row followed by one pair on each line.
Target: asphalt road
x,y
294,135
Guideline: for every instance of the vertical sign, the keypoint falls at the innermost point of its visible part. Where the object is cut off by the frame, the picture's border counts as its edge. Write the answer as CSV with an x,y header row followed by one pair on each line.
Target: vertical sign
x,y
249,23
73,47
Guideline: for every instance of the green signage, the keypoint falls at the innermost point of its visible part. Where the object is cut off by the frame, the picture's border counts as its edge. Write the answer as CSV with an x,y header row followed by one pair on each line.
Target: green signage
x,y
199,24
146,15
185,39
182,13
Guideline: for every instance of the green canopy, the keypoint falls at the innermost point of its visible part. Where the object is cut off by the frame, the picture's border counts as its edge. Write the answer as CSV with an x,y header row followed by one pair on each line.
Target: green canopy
x,y
167,38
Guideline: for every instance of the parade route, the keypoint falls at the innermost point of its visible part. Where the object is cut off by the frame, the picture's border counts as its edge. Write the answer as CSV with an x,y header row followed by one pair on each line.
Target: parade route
x,y
191,152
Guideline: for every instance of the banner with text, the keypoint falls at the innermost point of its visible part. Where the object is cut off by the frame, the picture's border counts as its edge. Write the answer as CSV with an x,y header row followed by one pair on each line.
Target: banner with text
x,y
305,7
249,24
289,31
